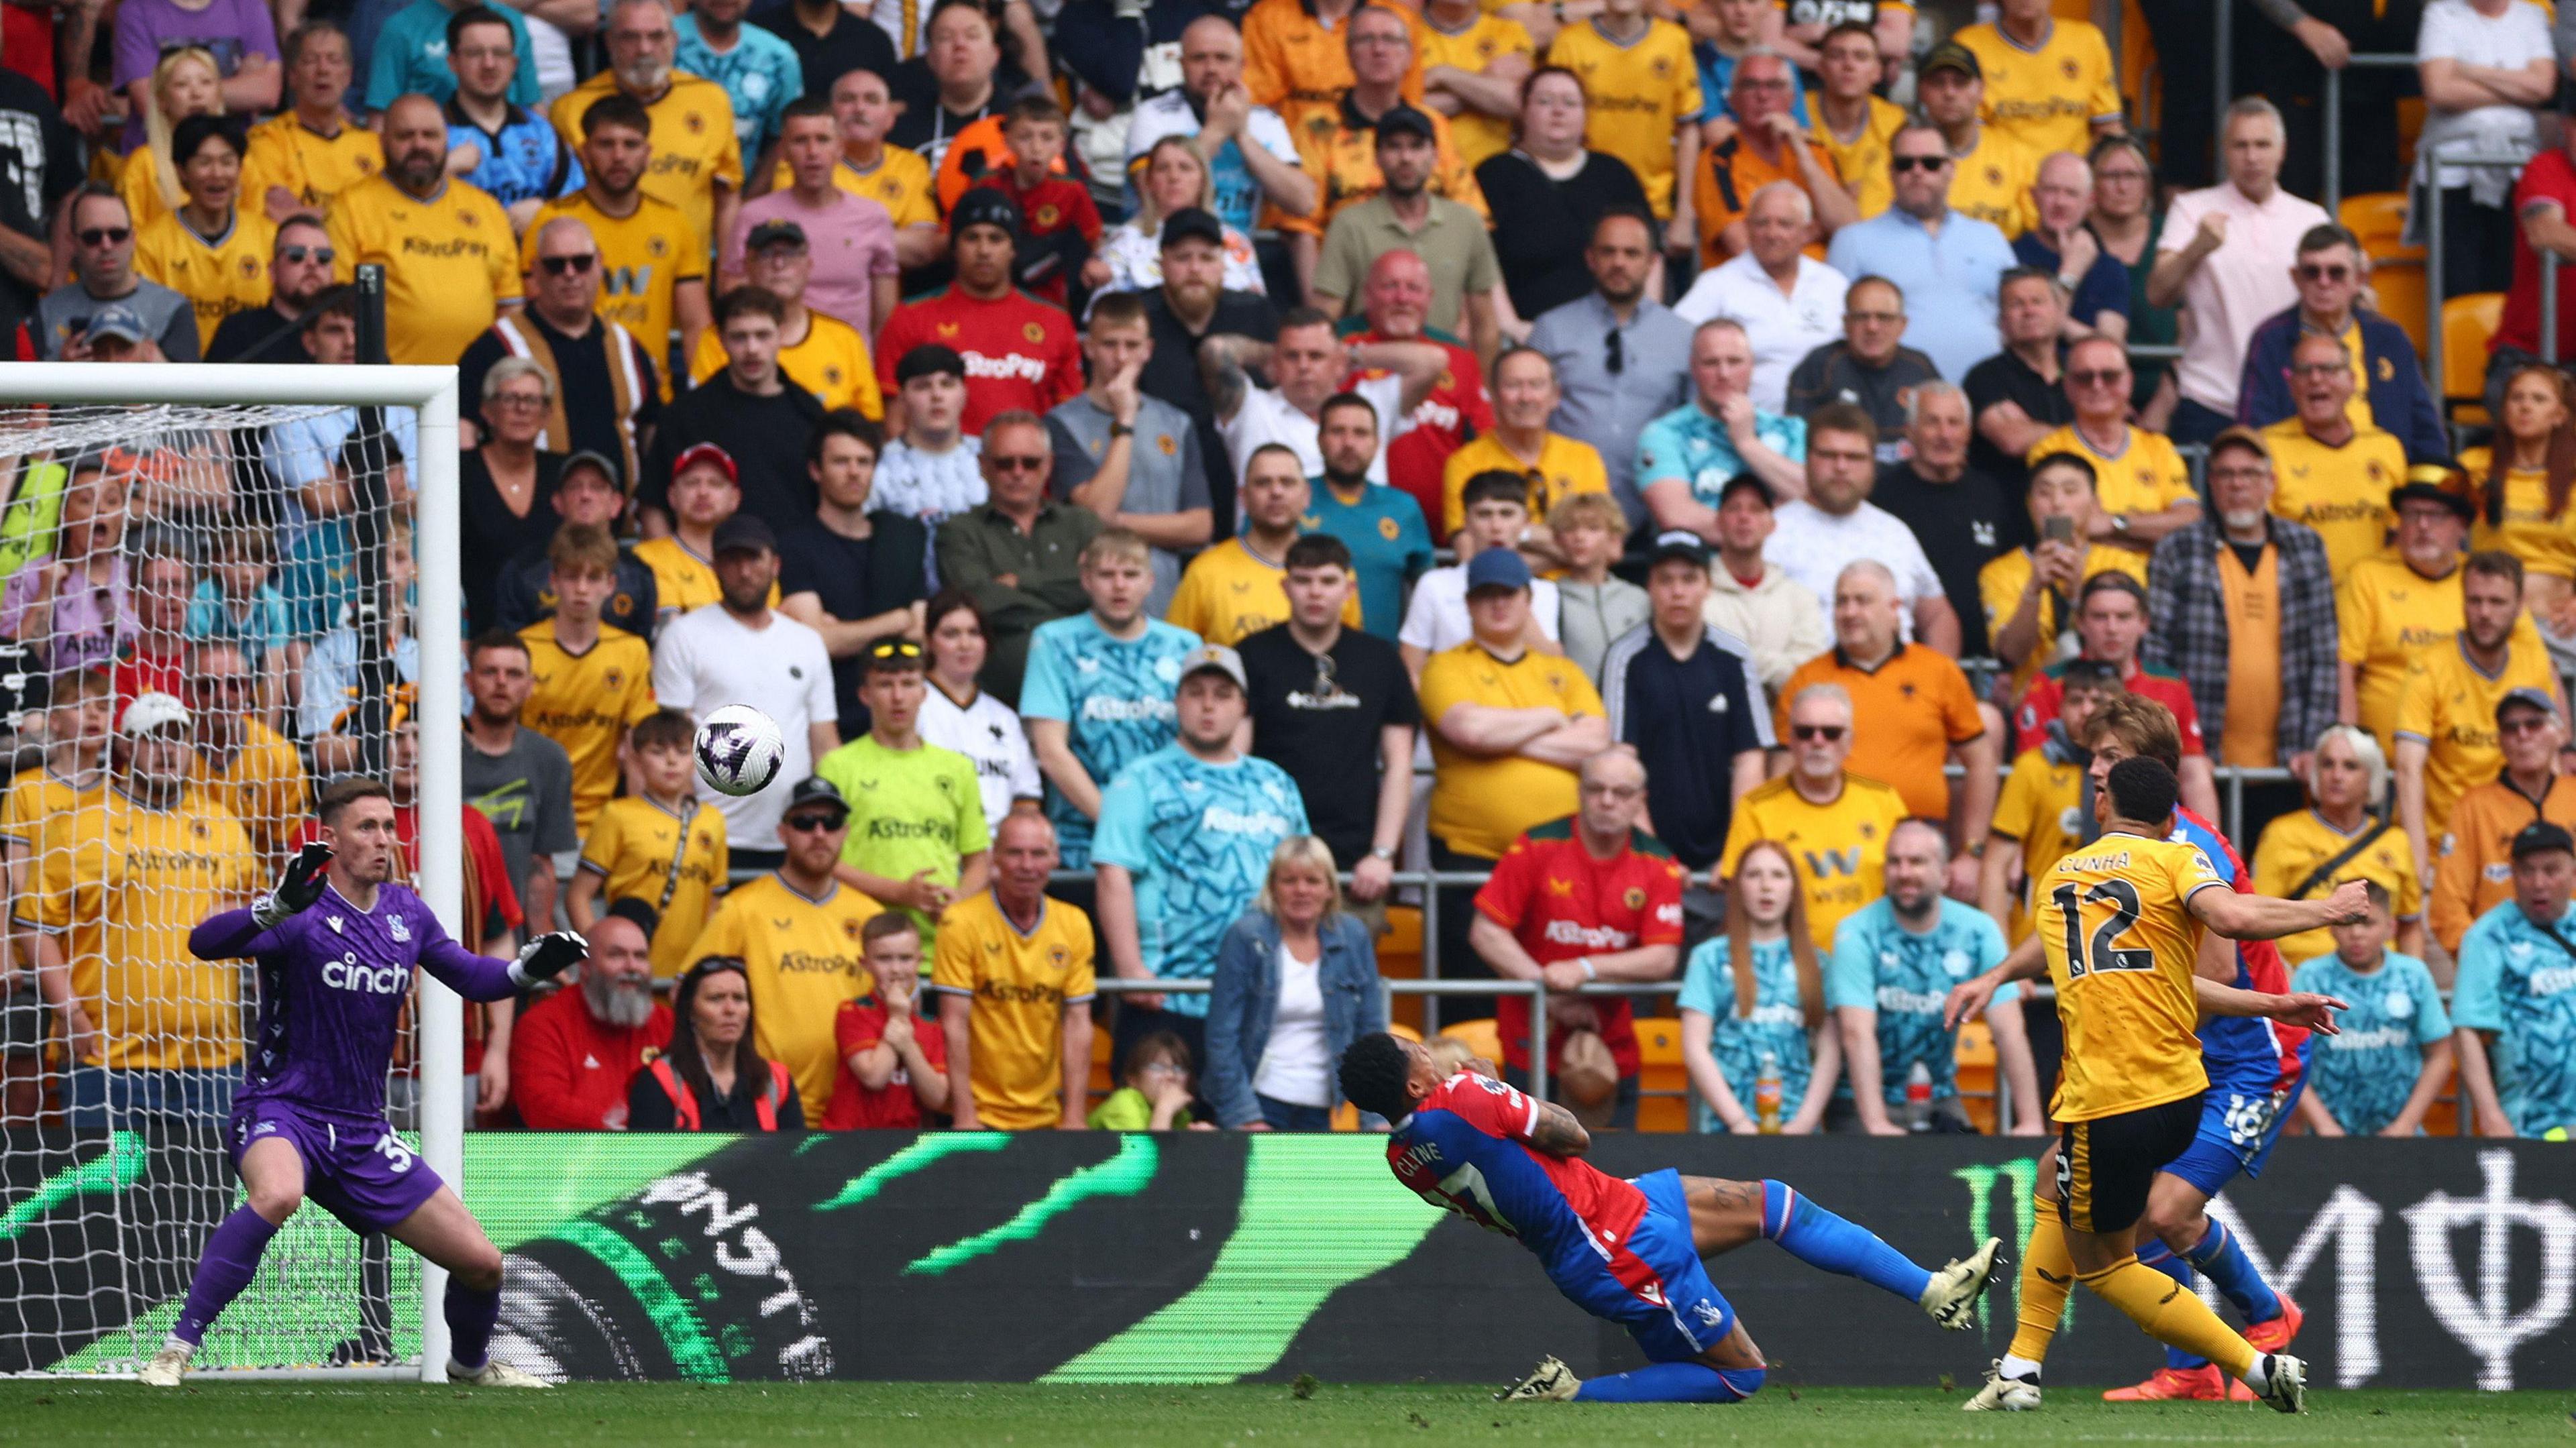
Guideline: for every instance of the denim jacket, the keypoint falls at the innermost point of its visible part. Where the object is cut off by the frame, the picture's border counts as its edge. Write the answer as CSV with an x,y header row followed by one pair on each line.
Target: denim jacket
x,y
1245,995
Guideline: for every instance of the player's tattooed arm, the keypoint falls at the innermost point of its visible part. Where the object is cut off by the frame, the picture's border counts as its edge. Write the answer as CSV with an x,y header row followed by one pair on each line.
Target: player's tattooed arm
x,y
1557,1132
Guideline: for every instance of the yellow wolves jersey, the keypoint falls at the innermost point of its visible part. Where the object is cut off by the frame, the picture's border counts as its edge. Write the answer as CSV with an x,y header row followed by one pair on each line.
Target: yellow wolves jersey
x,y
2048,98
2545,542
314,168
2342,492
219,277
1864,157
2040,809
630,845
2295,844
681,579
2449,704
1230,593
450,262
1640,91
1020,986
803,958
694,149
643,258
586,702
2120,948
1486,38
263,786
830,360
900,182
2143,475
1992,183
1840,847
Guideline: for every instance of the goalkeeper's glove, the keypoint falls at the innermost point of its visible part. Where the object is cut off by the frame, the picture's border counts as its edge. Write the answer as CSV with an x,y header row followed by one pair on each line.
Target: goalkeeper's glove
x,y
548,956
299,886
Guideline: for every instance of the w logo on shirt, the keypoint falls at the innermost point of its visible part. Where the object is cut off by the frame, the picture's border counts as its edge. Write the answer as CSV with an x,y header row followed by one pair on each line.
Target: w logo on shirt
x,y
626,281
1823,863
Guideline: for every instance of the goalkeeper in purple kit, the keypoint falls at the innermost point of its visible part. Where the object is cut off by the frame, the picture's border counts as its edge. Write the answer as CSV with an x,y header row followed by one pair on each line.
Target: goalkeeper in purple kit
x,y
336,942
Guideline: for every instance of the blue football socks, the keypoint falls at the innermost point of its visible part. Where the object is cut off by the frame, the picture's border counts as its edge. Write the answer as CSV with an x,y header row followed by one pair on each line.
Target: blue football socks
x,y
1684,1382
2223,1262
2154,1253
1818,1238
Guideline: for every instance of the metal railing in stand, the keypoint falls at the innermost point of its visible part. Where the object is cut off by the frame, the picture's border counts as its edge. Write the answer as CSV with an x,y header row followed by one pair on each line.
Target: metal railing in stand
x,y
2331,102
2434,247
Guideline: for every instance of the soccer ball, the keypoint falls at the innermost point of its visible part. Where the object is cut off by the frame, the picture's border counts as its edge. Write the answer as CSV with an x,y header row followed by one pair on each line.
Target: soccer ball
x,y
740,750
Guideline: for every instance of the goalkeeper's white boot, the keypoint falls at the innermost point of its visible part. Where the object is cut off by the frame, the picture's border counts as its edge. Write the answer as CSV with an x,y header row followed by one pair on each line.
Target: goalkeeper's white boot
x,y
1950,1299
1550,1381
494,1374
2002,1394
2285,1384
167,1366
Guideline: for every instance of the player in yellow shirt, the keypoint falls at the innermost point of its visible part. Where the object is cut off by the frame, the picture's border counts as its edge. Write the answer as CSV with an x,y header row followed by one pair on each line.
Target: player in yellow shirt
x,y
1484,53
2041,813
697,157
2329,472
1853,124
2050,83
796,931
1642,85
1834,823
118,885
211,250
1994,175
2120,926
312,151
1014,977
2348,776
653,265
665,847
2446,709
589,682
2392,608
449,257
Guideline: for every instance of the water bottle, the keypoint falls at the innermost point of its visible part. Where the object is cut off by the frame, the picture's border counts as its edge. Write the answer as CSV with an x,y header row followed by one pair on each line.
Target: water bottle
x,y
1918,1098
1766,1094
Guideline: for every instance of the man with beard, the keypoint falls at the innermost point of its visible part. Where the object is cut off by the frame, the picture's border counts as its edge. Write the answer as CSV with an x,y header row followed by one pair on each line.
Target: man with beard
x,y
652,266
1622,358
445,247
575,1050
1191,306
1390,545
1396,302
699,168
299,270
1411,212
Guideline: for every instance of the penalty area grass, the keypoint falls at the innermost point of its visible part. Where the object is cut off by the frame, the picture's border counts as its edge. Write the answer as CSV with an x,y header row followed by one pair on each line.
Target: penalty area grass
x,y
1247,1416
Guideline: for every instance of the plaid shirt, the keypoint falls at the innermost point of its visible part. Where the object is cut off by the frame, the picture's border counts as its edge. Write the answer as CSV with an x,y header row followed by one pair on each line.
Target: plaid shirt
x,y
2187,627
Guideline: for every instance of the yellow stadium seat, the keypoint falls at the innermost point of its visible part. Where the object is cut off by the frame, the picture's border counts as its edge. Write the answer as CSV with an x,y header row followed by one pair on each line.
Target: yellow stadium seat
x,y
1399,957
2403,298
1481,1036
1663,1084
1976,1058
2467,323
2378,220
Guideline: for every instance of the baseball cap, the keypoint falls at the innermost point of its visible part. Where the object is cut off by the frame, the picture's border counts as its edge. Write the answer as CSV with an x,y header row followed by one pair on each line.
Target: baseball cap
x,y
593,458
1741,481
815,789
1950,55
2440,482
2539,838
929,360
705,452
1193,221
2244,437
2529,698
985,206
1497,568
770,233
149,712
116,322
742,532
1213,656
1404,120
1678,544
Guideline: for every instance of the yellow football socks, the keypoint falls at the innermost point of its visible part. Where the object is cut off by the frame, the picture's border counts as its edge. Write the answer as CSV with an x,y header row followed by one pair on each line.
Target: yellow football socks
x,y
2047,1275
2170,1312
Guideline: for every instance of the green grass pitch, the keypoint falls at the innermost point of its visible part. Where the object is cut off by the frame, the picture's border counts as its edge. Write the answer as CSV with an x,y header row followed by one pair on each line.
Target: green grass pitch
x,y
952,1414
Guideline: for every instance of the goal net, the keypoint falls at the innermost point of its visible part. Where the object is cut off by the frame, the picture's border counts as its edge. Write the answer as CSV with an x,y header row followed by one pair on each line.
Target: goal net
x,y
209,610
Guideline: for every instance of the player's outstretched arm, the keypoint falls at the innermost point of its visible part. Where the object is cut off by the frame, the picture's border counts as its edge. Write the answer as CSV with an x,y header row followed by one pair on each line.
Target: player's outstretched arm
x,y
481,978
2261,917
2297,1008
231,934
1969,998
1557,1132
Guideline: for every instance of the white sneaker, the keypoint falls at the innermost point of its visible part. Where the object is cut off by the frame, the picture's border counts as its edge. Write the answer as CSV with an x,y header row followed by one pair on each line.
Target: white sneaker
x,y
1952,1294
2287,1390
167,1366
495,1374
2002,1394
1550,1381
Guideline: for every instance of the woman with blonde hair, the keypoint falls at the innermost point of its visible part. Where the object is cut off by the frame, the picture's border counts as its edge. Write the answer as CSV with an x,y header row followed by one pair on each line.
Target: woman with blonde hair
x,y
186,83
1296,982
1171,177
2521,486
2345,833
1773,1007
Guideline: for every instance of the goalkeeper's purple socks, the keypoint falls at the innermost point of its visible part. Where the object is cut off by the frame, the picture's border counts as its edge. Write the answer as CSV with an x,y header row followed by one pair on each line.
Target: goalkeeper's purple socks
x,y
1820,1239
470,1315
231,1260
1685,1382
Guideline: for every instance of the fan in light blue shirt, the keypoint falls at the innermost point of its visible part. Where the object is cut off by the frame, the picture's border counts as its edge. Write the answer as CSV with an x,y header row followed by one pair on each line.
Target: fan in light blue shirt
x,y
1950,270
760,73
1112,696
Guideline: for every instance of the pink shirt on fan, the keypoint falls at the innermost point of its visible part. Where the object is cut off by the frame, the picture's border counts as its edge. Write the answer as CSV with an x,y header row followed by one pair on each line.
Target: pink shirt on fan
x,y
2237,288
852,242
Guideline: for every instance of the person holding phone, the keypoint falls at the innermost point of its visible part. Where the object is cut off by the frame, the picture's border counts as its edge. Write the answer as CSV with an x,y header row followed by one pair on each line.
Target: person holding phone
x,y
2029,593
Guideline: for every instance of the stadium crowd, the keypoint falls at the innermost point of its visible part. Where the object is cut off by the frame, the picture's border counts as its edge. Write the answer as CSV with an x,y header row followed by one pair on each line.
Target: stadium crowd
x,y
1168,469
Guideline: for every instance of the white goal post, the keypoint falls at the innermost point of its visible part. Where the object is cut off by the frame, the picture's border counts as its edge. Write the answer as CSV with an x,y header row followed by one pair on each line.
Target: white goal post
x,y
437,620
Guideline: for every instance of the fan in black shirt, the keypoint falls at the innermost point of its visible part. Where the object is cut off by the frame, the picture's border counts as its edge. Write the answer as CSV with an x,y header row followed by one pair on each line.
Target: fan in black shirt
x,y
1552,190
1959,515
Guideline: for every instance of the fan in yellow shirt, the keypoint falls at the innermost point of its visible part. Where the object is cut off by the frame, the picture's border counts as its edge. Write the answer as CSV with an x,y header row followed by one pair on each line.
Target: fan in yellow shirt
x,y
1562,467
1853,125
2446,709
2137,474
695,150
1016,995
2289,861
1994,175
1481,802
796,931
2340,488
211,250
2514,514
1469,39
1230,593
2025,619
2050,83
653,263
827,356
287,154
2394,608
449,257
242,764
1643,87
2045,809
589,682
1839,846
664,847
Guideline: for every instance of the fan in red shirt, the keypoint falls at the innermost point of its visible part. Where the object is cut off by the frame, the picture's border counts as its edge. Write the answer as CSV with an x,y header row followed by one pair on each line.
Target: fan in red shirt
x,y
1063,223
2111,623
1588,897
1020,352
575,1051
894,1064
1395,300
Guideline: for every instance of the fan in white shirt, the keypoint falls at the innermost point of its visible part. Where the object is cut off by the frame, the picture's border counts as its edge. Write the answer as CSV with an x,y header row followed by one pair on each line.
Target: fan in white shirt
x,y
957,715
1308,364
1788,303
1814,539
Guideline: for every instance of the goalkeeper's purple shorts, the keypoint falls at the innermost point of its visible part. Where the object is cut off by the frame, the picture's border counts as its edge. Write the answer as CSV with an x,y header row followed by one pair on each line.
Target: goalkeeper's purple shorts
x,y
359,1172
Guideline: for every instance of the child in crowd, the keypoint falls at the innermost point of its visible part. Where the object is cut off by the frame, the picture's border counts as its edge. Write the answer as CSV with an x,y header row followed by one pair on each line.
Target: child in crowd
x,y
1587,531
2393,1055
660,844
1753,1008
1062,231
1157,1094
894,1060
1497,505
